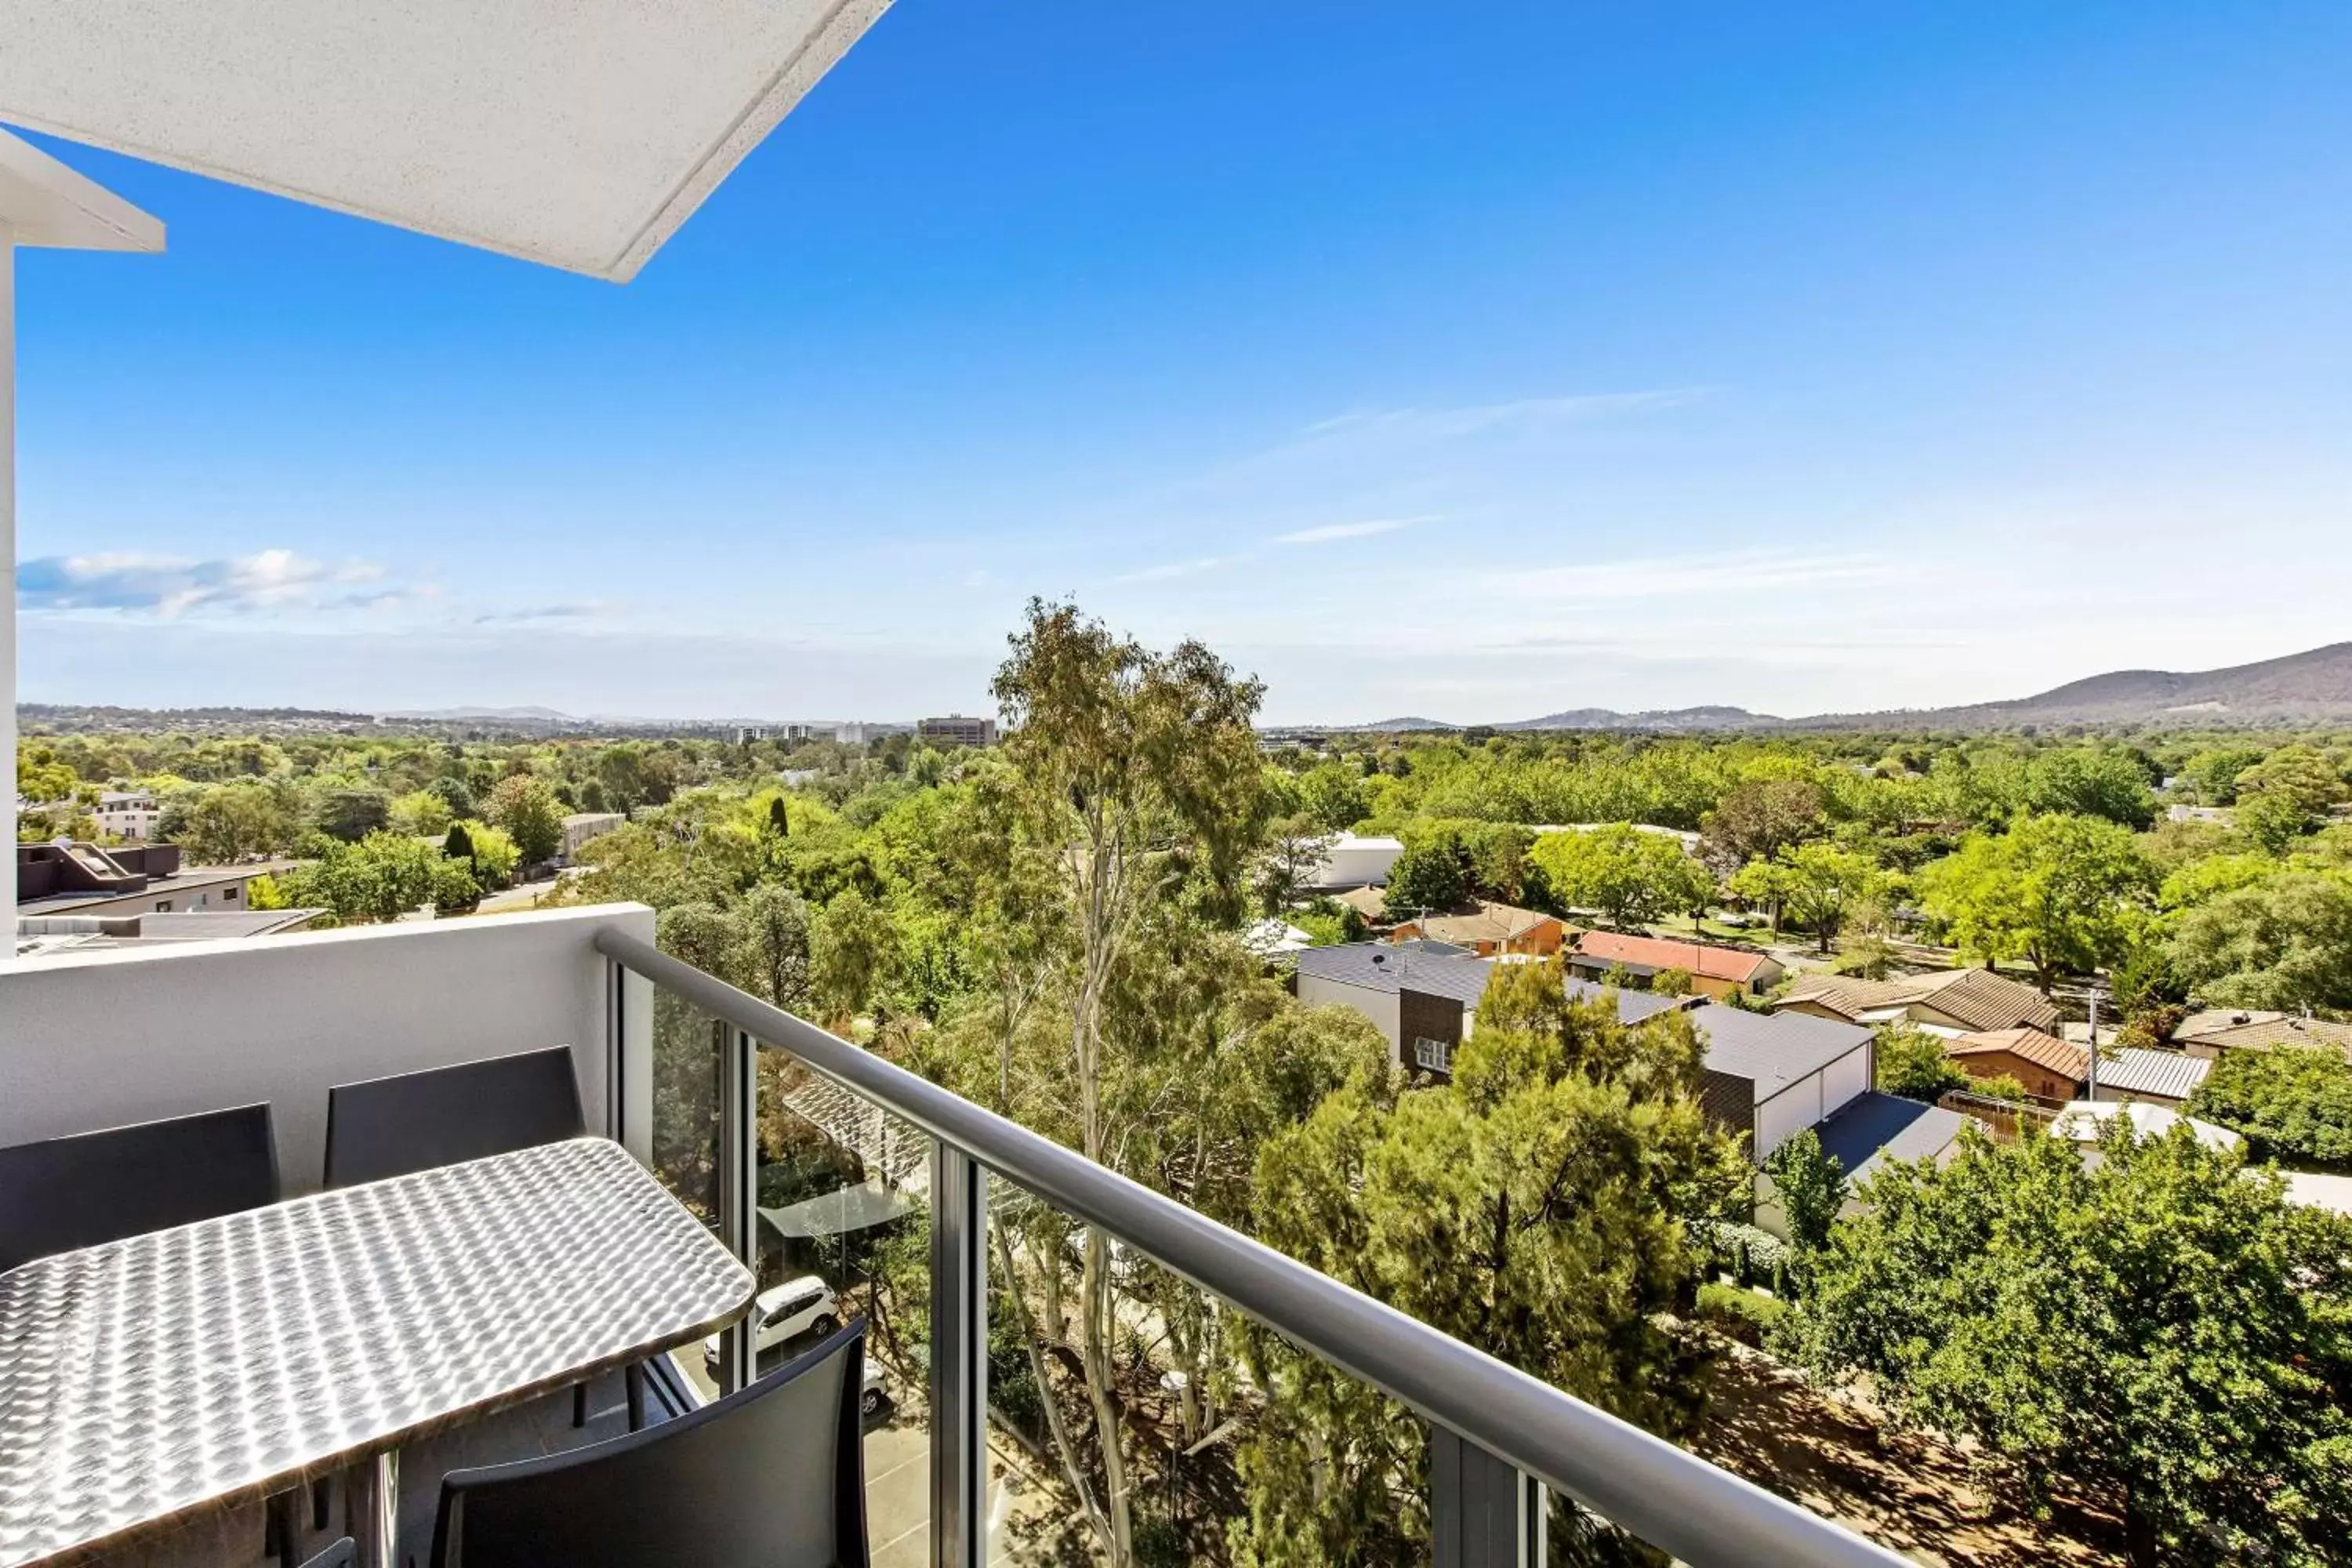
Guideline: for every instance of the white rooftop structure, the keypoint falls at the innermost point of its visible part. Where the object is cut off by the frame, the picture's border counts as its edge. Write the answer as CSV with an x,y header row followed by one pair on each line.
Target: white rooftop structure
x,y
580,134
2084,1120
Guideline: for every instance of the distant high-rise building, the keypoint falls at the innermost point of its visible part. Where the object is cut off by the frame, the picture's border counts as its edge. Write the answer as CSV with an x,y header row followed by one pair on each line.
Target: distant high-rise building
x,y
747,733
849,735
955,729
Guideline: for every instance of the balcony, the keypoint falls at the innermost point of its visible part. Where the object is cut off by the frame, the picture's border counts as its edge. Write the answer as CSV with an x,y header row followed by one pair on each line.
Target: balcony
x,y
853,1190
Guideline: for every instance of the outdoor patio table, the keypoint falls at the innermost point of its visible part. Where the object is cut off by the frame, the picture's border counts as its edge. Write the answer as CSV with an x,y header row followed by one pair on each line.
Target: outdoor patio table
x,y
148,1382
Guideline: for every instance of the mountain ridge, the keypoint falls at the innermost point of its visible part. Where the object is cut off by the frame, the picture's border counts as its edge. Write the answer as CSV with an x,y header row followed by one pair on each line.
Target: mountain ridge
x,y
2313,687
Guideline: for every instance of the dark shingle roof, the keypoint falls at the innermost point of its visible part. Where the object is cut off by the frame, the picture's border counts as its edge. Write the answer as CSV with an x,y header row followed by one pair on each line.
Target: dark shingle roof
x,y
1771,1050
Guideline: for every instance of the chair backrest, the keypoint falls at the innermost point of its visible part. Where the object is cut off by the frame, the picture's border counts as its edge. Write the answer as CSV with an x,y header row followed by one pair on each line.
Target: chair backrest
x,y
91,1187
415,1121
772,1476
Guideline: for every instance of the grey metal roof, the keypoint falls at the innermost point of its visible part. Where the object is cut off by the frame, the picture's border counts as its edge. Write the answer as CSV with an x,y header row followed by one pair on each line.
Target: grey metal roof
x,y
1435,968
1633,1006
2137,1070
1771,1050
1873,1127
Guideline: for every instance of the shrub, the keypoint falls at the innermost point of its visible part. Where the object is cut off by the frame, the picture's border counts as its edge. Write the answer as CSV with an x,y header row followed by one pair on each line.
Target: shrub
x,y
1735,1312
1671,982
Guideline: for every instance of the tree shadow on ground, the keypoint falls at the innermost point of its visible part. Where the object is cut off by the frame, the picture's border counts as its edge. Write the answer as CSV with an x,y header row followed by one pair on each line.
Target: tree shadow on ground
x,y
1907,1491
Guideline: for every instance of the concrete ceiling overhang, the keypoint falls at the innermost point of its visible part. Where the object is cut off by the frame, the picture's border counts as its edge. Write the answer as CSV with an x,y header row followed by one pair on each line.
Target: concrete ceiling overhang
x,y
580,134
43,203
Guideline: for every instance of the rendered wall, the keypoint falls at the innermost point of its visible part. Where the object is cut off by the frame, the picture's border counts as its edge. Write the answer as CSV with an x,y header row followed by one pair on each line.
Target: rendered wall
x,y
103,1038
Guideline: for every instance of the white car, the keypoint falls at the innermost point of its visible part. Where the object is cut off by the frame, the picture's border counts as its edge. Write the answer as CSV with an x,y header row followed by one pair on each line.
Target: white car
x,y
786,1311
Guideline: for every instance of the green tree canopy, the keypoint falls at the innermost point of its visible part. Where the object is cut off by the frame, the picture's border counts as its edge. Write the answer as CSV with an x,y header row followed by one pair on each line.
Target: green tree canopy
x,y
1534,1206
2293,1104
380,877
351,815
2160,1325
2284,942
525,808
1912,1063
1630,877
2061,893
1811,1184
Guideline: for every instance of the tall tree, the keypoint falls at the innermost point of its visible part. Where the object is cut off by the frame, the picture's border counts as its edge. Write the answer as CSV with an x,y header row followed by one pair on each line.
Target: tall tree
x,y
1534,1206
2159,1325
1630,876
2285,941
2060,893
1757,818
526,808
1134,786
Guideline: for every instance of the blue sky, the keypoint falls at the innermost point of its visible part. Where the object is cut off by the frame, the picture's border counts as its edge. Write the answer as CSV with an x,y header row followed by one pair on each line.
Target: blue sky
x,y
1828,357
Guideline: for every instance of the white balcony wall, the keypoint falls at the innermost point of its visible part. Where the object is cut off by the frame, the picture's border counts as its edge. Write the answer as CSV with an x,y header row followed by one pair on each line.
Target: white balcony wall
x,y
104,1039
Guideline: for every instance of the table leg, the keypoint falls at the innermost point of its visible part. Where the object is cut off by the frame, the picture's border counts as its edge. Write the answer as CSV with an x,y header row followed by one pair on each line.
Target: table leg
x,y
375,1519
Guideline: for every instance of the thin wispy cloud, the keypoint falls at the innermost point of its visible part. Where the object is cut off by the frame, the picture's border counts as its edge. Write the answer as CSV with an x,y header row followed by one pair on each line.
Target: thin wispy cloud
x,y
547,614
1177,569
133,582
1331,533
1471,419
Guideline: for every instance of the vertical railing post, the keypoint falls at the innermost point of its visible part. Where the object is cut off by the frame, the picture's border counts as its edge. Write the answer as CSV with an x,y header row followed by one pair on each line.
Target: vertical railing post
x,y
959,1359
739,1190
1483,1512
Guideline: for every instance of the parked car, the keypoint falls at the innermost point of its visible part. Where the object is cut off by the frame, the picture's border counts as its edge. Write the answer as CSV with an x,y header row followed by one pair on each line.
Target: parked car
x,y
873,1396
784,1313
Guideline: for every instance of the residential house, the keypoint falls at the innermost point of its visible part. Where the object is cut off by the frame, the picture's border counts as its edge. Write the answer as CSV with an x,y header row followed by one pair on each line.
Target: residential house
x,y
1356,860
1369,902
130,814
1715,971
1424,996
2213,1030
2047,1066
1772,1076
2061,1070
1949,1003
69,879
1488,928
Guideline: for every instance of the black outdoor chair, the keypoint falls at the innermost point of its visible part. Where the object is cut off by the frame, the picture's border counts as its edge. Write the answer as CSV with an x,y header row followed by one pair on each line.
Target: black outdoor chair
x,y
93,1187
772,1476
415,1121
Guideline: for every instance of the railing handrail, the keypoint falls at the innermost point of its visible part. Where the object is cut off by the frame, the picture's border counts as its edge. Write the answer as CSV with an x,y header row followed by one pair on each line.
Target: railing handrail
x,y
1668,1496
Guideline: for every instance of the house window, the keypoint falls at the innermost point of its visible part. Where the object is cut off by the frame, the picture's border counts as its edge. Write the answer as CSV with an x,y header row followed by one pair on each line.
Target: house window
x,y
1435,1055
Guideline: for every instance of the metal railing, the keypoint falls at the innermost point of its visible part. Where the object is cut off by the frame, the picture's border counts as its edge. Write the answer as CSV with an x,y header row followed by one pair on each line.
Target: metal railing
x,y
1498,1434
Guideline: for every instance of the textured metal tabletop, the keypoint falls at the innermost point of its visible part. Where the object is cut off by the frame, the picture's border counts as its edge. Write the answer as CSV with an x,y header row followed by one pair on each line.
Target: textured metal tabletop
x,y
149,1381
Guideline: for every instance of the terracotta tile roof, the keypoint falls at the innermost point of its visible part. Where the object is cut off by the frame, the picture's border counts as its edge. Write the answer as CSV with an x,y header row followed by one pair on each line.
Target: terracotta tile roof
x,y
1734,963
2061,1057
1979,998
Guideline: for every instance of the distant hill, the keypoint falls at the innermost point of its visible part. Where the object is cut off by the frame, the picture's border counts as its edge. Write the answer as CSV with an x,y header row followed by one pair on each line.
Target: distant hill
x,y
2314,688
1655,718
